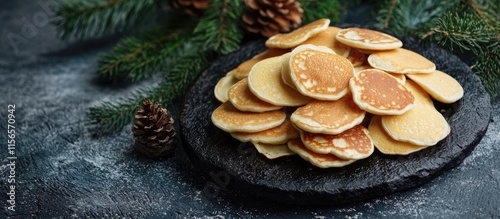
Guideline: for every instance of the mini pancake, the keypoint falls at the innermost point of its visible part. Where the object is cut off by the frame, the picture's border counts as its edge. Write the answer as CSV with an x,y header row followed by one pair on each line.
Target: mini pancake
x,y
423,125
441,86
243,99
319,73
401,61
356,58
368,39
230,119
352,144
327,38
298,36
319,160
277,135
328,117
244,68
386,144
223,85
273,151
265,82
379,93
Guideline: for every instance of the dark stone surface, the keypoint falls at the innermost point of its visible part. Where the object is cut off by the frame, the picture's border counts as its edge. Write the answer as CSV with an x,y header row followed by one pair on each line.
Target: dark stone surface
x,y
65,170
292,180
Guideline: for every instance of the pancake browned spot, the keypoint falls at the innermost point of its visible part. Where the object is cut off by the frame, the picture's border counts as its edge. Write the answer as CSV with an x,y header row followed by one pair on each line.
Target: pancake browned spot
x,y
230,119
319,160
319,73
328,117
379,93
368,39
352,144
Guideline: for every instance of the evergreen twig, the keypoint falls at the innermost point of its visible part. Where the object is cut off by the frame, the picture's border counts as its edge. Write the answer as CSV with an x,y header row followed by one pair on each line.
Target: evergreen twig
x,y
112,116
218,29
487,67
93,18
141,57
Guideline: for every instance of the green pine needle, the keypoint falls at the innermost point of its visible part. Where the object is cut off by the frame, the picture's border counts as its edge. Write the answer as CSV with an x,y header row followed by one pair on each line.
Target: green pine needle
x,y
93,18
218,29
141,57
112,116
314,10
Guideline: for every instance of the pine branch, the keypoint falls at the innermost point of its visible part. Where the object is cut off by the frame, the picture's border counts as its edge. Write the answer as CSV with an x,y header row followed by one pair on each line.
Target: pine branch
x,y
487,67
314,10
218,29
141,57
91,18
111,116
464,31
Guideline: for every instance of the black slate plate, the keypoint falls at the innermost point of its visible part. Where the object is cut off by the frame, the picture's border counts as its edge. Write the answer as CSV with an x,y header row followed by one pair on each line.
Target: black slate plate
x,y
232,165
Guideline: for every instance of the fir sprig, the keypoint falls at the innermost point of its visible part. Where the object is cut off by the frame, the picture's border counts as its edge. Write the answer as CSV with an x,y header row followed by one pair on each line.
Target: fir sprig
x,y
464,31
218,29
112,116
140,57
314,10
488,68
94,18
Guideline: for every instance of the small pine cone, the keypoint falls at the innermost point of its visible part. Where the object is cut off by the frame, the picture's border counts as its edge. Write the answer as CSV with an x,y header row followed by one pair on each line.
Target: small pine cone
x,y
269,17
154,130
191,7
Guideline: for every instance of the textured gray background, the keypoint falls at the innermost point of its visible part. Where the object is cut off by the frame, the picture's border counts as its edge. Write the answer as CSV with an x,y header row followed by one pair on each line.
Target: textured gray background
x,y
66,170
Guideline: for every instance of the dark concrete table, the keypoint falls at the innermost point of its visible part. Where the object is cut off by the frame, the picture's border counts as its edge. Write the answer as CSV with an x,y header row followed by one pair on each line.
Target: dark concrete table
x,y
64,169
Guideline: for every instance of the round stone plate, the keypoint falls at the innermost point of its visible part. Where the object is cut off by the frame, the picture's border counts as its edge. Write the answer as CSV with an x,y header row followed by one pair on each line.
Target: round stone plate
x,y
232,165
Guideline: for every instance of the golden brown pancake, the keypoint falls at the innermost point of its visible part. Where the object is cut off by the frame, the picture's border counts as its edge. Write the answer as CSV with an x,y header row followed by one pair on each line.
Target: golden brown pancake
x,y
273,151
328,38
352,144
243,99
367,39
441,86
319,160
386,144
223,85
230,119
277,135
244,68
298,36
401,61
265,82
423,125
328,117
379,93
318,73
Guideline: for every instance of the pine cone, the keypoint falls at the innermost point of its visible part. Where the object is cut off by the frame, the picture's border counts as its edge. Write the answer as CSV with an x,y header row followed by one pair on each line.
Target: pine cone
x,y
153,130
191,7
269,17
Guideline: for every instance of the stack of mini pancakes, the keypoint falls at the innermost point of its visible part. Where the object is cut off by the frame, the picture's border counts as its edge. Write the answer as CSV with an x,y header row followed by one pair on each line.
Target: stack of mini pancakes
x,y
332,95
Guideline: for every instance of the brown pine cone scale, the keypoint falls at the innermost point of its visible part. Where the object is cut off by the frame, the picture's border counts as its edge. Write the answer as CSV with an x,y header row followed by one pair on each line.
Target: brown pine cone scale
x,y
270,17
